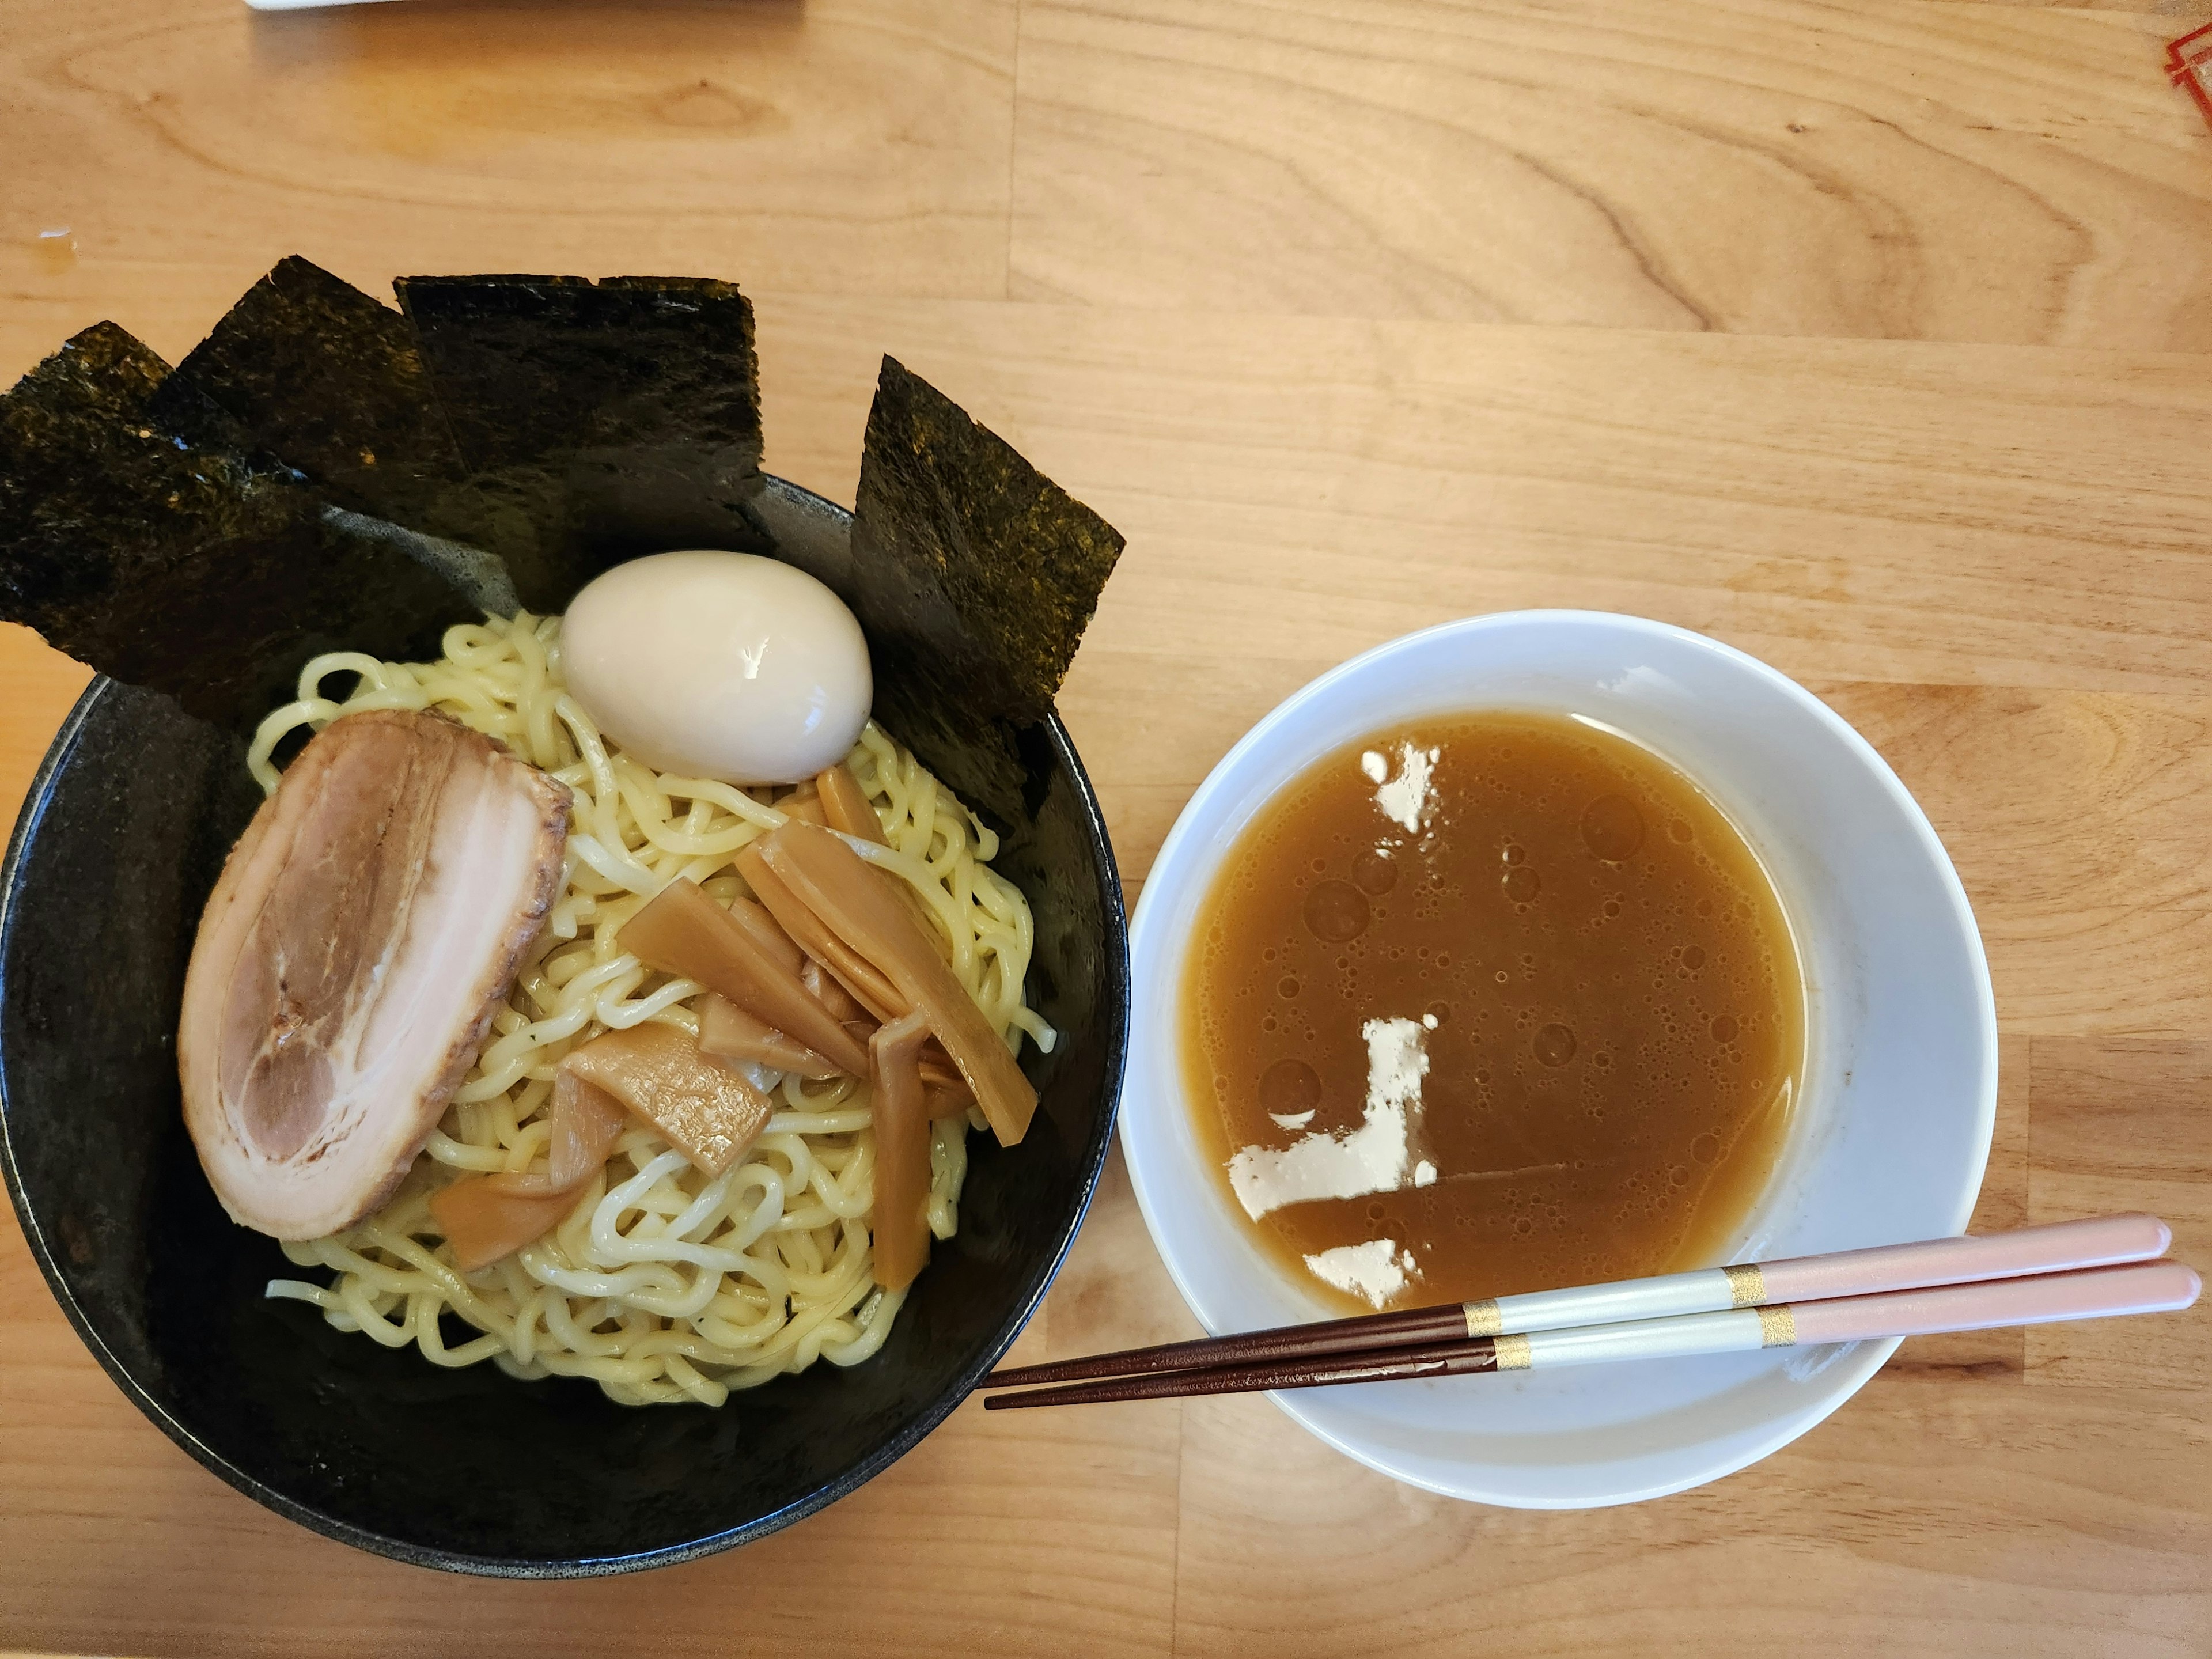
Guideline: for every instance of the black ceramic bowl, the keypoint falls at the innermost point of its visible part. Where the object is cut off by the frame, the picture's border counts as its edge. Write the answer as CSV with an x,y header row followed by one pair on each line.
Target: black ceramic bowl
x,y
117,846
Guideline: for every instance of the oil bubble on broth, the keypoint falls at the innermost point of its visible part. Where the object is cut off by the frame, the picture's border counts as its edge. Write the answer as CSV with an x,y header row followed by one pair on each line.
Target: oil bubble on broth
x,y
1489,1003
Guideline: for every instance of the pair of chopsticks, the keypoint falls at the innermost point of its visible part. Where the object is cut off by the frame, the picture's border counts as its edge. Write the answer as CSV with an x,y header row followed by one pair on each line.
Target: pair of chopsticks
x,y
2032,1276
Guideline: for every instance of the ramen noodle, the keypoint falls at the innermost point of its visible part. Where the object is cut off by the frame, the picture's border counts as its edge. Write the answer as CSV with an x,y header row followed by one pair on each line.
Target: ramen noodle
x,y
662,1285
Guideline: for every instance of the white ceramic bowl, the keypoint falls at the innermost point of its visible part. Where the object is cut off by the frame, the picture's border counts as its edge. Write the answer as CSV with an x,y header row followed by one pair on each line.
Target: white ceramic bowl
x,y
1890,1137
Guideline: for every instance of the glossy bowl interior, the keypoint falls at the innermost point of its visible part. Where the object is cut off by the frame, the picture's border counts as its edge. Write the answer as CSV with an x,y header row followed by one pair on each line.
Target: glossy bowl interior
x,y
118,844
1887,1143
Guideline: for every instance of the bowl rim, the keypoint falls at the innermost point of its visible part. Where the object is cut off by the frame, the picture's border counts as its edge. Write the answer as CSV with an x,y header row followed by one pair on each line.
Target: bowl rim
x,y
1115,976
1853,1372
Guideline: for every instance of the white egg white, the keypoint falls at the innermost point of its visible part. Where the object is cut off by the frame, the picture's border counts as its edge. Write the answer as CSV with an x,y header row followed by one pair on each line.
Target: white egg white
x,y
723,665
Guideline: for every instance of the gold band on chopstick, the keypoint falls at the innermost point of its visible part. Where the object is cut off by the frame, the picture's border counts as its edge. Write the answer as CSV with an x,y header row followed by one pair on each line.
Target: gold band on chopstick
x,y
1778,1326
1512,1353
1483,1318
1746,1286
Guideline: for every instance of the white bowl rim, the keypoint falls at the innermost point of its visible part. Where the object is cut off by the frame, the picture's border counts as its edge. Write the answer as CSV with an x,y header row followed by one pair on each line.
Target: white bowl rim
x,y
1854,1367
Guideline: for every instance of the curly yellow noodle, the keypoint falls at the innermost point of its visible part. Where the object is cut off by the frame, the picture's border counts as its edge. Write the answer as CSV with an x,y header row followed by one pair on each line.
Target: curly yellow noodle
x,y
663,1285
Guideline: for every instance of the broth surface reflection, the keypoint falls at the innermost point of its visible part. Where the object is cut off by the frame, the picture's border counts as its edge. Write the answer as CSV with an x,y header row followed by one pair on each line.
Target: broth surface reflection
x,y
1489,1003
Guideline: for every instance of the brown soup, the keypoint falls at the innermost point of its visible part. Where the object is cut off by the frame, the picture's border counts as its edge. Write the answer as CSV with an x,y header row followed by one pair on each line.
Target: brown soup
x,y
1490,1003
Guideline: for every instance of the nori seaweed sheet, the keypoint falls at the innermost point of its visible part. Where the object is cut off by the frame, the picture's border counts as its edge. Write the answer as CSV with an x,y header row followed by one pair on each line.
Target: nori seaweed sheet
x,y
205,532
146,545
975,575
598,421
74,413
328,378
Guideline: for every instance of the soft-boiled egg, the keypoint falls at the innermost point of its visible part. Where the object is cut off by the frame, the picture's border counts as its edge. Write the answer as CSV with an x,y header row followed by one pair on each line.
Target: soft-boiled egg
x,y
724,665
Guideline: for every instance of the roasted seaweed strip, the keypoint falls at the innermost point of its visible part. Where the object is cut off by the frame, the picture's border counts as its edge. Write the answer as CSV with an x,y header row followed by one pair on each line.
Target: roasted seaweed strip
x,y
139,540
327,378
598,421
975,575
301,482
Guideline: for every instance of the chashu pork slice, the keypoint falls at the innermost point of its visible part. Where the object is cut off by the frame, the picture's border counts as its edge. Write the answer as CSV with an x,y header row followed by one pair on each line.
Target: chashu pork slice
x,y
369,923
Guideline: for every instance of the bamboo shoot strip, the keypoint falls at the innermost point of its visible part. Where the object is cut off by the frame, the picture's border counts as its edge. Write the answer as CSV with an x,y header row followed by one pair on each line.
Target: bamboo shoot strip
x,y
683,931
858,906
901,1221
860,979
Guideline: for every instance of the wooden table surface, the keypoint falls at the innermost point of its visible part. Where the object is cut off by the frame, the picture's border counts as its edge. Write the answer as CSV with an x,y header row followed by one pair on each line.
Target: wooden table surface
x,y
1873,336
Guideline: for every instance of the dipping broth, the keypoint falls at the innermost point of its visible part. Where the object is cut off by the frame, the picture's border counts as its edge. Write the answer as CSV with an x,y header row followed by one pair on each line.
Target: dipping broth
x,y
1490,1003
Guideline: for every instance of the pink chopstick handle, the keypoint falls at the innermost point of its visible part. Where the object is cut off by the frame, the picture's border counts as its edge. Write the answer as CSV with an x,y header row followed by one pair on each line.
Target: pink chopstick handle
x,y
2058,1248
2156,1287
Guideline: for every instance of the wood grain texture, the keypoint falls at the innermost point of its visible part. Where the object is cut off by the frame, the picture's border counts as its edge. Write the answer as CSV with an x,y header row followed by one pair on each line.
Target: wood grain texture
x,y
1848,510
2076,820
185,148
1936,1515
2125,1115
1877,169
1355,315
